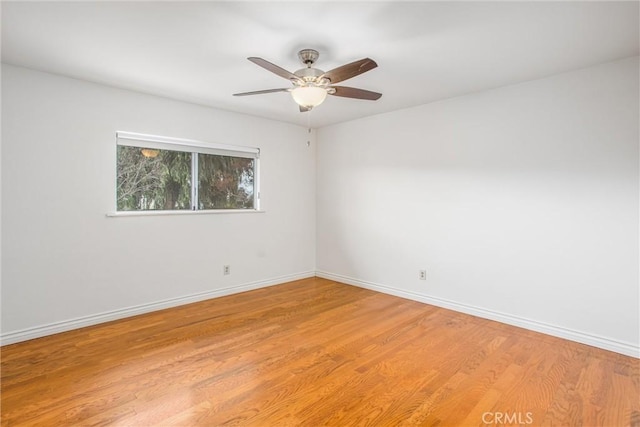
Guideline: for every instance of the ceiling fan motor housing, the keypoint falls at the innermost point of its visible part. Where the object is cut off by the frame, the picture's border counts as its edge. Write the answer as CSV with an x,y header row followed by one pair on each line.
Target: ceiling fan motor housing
x,y
310,75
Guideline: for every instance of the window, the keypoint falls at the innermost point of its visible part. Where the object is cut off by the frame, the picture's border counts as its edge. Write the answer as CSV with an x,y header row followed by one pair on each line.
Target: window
x,y
166,174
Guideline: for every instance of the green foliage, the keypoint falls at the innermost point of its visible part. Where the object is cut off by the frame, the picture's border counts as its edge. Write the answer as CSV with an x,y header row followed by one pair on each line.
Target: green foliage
x,y
164,182
225,182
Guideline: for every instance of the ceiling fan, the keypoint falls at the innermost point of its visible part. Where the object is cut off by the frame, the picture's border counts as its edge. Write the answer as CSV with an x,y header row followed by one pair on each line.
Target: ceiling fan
x,y
312,85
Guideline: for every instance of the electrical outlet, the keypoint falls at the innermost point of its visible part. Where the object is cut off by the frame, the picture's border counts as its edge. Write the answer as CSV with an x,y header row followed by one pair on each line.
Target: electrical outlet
x,y
226,270
422,275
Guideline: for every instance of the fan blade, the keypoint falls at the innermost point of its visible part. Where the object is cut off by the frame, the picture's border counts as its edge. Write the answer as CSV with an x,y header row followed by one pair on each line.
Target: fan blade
x,y
260,92
352,92
274,68
350,70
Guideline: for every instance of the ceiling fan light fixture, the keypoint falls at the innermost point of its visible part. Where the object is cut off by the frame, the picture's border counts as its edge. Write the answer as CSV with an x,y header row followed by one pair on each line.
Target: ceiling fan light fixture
x,y
309,96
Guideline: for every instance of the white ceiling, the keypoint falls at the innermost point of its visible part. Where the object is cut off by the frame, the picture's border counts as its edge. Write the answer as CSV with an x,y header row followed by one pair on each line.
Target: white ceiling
x,y
426,51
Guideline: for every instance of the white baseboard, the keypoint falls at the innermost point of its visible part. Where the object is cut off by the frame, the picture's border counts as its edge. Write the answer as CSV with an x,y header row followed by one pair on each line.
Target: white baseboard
x,y
557,331
81,322
533,325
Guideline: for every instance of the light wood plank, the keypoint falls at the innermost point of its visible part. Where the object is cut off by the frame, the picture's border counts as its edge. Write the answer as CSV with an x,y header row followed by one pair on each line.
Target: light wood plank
x,y
308,353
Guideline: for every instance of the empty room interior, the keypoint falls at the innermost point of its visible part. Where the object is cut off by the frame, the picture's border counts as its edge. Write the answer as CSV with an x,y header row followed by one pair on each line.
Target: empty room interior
x,y
320,213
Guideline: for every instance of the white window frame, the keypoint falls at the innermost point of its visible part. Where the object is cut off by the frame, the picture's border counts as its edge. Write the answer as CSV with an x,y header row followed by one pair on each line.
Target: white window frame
x,y
131,139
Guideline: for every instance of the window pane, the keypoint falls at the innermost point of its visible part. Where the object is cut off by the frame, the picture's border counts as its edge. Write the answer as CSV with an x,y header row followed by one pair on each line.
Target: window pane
x,y
153,179
225,182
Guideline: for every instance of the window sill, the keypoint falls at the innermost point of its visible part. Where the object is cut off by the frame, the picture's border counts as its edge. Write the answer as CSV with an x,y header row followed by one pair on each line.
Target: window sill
x,y
185,212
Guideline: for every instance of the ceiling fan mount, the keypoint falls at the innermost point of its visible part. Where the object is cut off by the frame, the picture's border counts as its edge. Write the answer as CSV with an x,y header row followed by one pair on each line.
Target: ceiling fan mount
x,y
312,85
308,56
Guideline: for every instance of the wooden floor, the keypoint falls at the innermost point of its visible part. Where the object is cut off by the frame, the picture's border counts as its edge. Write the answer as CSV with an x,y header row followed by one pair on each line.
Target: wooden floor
x,y
312,353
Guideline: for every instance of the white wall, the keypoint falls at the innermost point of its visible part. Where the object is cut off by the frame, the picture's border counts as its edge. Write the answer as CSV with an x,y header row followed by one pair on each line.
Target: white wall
x,y
64,261
521,203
